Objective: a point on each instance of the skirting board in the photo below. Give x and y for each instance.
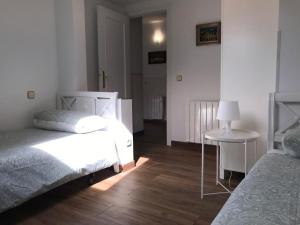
(126, 167)
(191, 146)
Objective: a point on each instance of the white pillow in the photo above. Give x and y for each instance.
(291, 143)
(69, 121)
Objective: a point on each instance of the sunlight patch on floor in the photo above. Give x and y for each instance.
(111, 181)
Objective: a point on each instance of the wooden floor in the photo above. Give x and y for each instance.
(164, 188)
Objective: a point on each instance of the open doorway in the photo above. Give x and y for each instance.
(149, 76)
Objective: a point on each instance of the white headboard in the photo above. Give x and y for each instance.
(98, 103)
(284, 114)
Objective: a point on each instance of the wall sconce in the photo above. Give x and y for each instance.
(158, 37)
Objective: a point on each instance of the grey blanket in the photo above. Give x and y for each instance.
(269, 195)
(35, 161)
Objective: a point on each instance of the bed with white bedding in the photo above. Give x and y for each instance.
(83, 136)
(34, 161)
(270, 193)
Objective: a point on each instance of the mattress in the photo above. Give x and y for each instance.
(269, 195)
(34, 161)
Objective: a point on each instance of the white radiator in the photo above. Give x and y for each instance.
(154, 107)
(201, 117)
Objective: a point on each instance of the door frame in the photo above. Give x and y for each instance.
(145, 9)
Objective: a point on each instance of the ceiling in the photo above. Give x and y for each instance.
(154, 18)
(126, 2)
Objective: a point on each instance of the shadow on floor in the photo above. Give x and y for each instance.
(154, 134)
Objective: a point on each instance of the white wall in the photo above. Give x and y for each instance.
(71, 43)
(92, 39)
(200, 66)
(249, 54)
(28, 60)
(155, 75)
(289, 73)
(136, 66)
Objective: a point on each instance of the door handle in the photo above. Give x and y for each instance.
(103, 79)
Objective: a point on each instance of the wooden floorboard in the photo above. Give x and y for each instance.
(164, 188)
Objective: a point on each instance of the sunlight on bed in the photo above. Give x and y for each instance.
(111, 181)
(80, 150)
(91, 152)
(90, 124)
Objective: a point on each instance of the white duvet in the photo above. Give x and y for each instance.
(34, 161)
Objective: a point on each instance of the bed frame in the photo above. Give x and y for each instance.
(107, 105)
(98, 103)
(283, 115)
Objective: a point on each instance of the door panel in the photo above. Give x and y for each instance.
(113, 30)
(115, 51)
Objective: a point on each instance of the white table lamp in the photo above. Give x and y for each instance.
(228, 111)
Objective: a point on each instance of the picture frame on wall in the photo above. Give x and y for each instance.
(158, 57)
(208, 33)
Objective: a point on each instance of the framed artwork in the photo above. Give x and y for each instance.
(159, 57)
(208, 33)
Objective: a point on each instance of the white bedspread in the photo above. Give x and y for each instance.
(35, 161)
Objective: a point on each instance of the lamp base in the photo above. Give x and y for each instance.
(228, 126)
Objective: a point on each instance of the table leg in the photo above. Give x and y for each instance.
(245, 158)
(255, 151)
(202, 168)
(217, 163)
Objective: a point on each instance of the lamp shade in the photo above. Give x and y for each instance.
(228, 111)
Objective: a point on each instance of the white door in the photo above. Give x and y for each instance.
(113, 49)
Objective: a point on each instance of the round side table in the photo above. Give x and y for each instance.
(224, 136)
